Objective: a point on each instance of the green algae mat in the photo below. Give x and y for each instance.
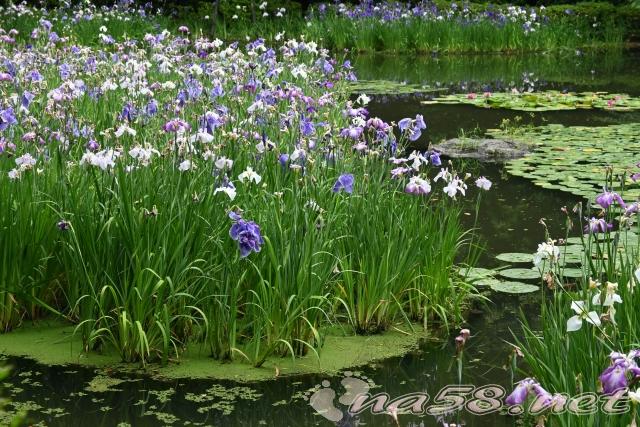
(52, 342)
(544, 101)
(574, 159)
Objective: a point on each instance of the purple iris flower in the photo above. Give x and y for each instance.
(606, 199)
(247, 234)
(404, 124)
(7, 118)
(613, 378)
(34, 76)
(63, 225)
(152, 108)
(434, 157)
(92, 145)
(631, 209)
(520, 393)
(235, 216)
(597, 226)
(26, 98)
(616, 377)
(414, 134)
(175, 125)
(129, 112)
(352, 132)
(283, 159)
(413, 127)
(344, 182)
(418, 186)
(217, 91)
(529, 385)
(306, 127)
(65, 71)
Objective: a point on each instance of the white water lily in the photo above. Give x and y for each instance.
(575, 322)
(249, 175)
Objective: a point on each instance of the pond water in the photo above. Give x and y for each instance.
(508, 221)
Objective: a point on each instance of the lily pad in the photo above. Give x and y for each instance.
(389, 87)
(486, 282)
(515, 257)
(563, 157)
(475, 273)
(574, 273)
(551, 100)
(514, 287)
(520, 273)
(574, 241)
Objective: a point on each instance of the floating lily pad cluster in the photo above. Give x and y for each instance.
(544, 101)
(483, 277)
(388, 87)
(519, 274)
(520, 267)
(574, 158)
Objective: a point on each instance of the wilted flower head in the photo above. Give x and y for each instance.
(461, 339)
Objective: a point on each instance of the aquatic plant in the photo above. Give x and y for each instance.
(580, 163)
(589, 325)
(427, 27)
(173, 189)
(542, 101)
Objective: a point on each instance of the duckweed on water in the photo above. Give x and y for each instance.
(102, 384)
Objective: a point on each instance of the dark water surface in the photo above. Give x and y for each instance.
(508, 221)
